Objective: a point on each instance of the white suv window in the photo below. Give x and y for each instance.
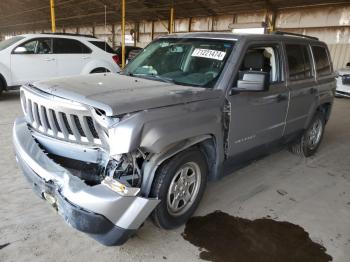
(69, 46)
(38, 46)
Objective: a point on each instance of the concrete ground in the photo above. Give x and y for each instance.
(312, 193)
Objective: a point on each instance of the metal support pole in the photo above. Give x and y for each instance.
(171, 24)
(53, 18)
(113, 36)
(123, 33)
(270, 21)
(152, 30)
(137, 33)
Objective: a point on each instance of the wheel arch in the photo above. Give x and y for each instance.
(324, 106)
(99, 70)
(94, 64)
(205, 143)
(326, 109)
(3, 81)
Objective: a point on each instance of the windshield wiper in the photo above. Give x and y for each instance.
(161, 78)
(152, 77)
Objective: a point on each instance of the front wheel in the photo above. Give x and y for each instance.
(311, 139)
(179, 184)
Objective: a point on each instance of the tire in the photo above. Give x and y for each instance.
(2, 86)
(100, 70)
(310, 140)
(175, 178)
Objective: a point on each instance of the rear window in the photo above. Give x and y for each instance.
(299, 62)
(7, 43)
(323, 66)
(103, 45)
(69, 46)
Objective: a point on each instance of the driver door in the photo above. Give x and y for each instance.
(33, 61)
(258, 117)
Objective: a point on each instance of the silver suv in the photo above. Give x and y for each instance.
(108, 151)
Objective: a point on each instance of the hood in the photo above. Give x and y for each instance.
(119, 94)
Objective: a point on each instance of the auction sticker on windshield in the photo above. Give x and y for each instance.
(208, 53)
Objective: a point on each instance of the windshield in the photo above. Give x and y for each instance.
(6, 43)
(194, 62)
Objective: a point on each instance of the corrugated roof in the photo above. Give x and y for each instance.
(17, 15)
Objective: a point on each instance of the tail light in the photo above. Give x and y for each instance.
(116, 59)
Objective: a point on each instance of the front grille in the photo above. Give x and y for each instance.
(92, 127)
(59, 118)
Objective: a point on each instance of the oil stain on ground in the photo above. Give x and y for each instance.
(222, 237)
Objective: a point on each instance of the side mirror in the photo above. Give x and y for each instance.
(252, 81)
(348, 64)
(22, 50)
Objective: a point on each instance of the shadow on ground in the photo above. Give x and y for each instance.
(9, 96)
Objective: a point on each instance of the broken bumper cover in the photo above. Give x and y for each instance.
(105, 215)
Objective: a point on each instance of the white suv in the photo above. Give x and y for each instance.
(32, 57)
(343, 82)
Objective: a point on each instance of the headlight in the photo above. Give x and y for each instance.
(120, 188)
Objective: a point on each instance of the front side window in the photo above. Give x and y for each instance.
(323, 66)
(299, 62)
(35, 46)
(194, 62)
(261, 59)
(69, 46)
(30, 46)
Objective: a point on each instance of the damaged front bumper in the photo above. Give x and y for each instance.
(105, 215)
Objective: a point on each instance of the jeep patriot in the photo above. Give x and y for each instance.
(110, 150)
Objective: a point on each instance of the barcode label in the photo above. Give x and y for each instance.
(207, 53)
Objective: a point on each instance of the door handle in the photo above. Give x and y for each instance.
(281, 98)
(85, 57)
(49, 59)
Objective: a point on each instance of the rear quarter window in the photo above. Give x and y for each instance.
(103, 46)
(299, 62)
(323, 65)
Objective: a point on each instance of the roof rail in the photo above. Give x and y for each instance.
(293, 34)
(70, 34)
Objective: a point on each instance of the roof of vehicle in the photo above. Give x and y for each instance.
(235, 37)
(59, 35)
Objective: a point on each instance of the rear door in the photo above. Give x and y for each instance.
(258, 118)
(302, 85)
(71, 56)
(36, 63)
